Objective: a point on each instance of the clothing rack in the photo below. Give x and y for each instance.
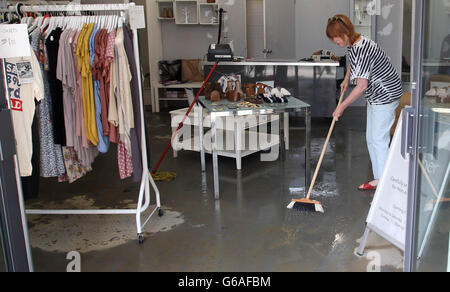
(144, 192)
(71, 8)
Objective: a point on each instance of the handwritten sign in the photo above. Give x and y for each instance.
(137, 17)
(388, 214)
(14, 41)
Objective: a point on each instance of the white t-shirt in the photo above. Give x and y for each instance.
(22, 98)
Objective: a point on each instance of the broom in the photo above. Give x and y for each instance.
(307, 204)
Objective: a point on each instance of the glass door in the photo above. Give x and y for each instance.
(429, 248)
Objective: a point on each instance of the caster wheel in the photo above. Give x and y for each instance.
(141, 238)
(160, 213)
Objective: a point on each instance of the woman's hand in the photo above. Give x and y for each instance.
(338, 113)
(344, 86)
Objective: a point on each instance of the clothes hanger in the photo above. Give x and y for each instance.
(109, 23)
(19, 11)
(46, 22)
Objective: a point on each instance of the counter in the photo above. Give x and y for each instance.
(312, 82)
(274, 62)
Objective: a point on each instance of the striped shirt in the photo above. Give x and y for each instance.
(369, 61)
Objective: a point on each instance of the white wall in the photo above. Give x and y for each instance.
(390, 31)
(311, 22)
(191, 42)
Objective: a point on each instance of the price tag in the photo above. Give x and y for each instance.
(14, 41)
(137, 17)
(25, 72)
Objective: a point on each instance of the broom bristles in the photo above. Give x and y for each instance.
(306, 205)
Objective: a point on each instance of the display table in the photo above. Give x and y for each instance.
(225, 109)
(312, 82)
(189, 142)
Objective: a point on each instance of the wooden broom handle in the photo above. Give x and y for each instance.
(316, 173)
(427, 177)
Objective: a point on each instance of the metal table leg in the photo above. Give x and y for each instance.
(239, 131)
(308, 148)
(215, 156)
(286, 131)
(201, 136)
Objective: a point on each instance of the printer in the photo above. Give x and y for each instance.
(220, 53)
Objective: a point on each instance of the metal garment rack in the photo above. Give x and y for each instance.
(147, 179)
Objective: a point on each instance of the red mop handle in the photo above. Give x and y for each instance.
(184, 119)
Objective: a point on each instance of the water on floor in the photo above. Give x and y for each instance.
(249, 229)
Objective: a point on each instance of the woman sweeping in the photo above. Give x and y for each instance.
(375, 76)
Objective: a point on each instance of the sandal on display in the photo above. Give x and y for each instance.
(266, 97)
(213, 92)
(286, 94)
(280, 94)
(239, 90)
(367, 187)
(261, 88)
(250, 90)
(233, 94)
(432, 92)
(443, 95)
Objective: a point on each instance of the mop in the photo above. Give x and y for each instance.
(307, 204)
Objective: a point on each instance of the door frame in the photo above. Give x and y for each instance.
(417, 85)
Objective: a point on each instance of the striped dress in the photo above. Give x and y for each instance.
(369, 61)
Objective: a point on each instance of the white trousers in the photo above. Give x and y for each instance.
(380, 119)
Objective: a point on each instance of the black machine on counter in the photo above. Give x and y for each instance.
(220, 52)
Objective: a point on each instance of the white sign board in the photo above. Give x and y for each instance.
(137, 17)
(14, 41)
(448, 258)
(388, 214)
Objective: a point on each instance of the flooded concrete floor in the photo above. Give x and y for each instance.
(249, 229)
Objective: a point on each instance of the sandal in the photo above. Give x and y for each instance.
(367, 187)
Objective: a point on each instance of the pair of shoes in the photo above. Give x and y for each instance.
(234, 91)
(261, 88)
(281, 94)
(443, 95)
(267, 97)
(250, 90)
(213, 91)
(367, 187)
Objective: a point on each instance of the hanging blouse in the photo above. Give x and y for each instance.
(78, 156)
(56, 91)
(103, 144)
(125, 106)
(84, 65)
(51, 158)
